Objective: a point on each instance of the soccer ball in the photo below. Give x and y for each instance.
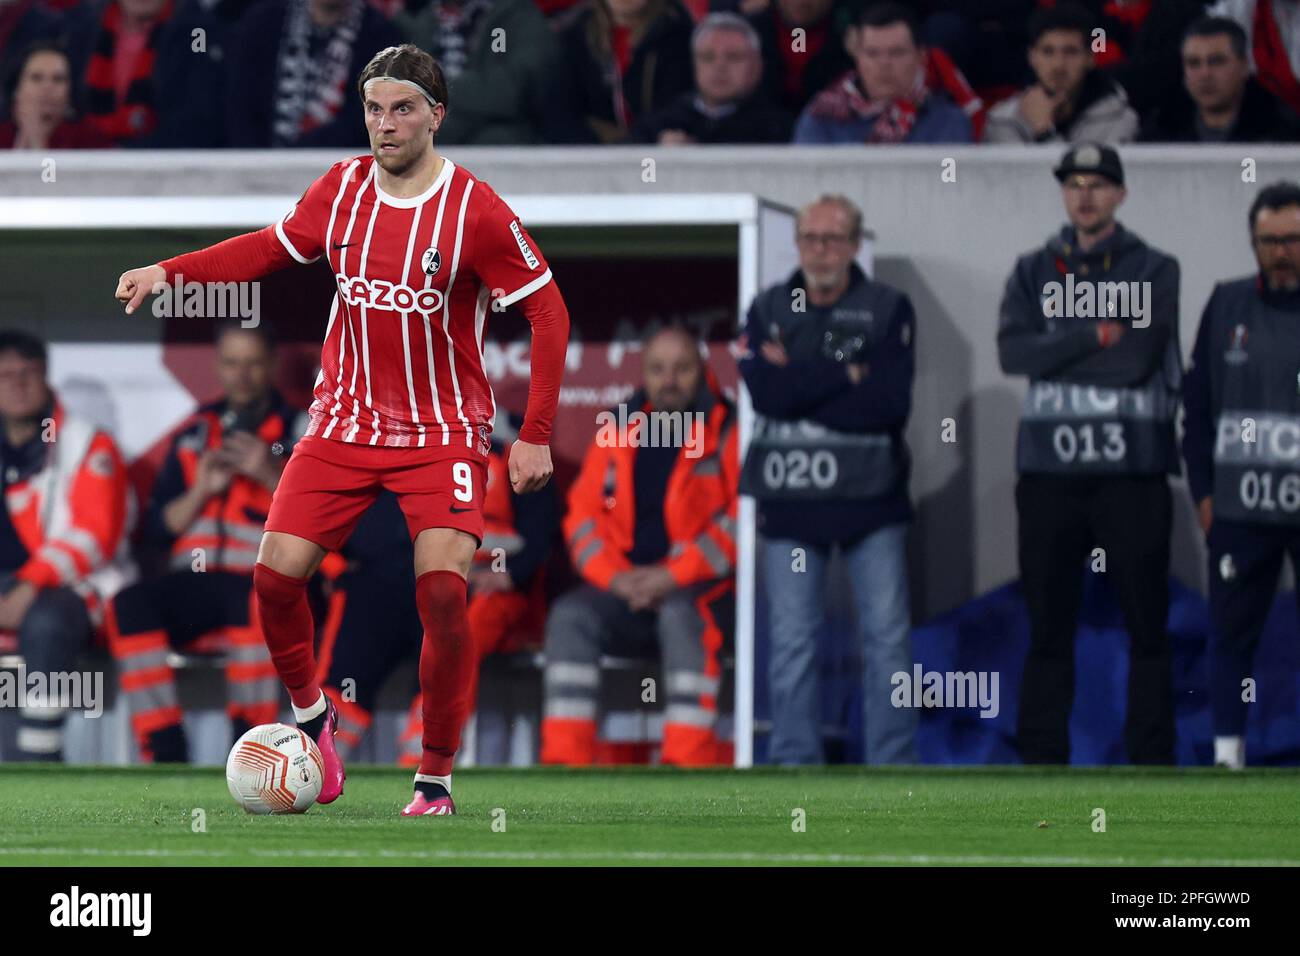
(275, 768)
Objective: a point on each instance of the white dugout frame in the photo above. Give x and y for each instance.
(766, 254)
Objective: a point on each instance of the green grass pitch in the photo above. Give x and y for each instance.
(70, 816)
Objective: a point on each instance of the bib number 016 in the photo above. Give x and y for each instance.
(1263, 491)
(1081, 444)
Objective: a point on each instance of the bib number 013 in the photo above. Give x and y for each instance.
(1081, 443)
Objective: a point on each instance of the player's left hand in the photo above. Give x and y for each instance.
(530, 466)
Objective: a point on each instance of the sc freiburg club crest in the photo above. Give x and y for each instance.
(431, 261)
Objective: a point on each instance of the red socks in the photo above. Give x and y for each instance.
(287, 625)
(448, 656)
(447, 661)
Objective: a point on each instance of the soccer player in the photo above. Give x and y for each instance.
(421, 252)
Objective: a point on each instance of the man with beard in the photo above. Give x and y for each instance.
(1242, 445)
(651, 530)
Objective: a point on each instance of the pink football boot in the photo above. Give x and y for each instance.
(332, 786)
(422, 806)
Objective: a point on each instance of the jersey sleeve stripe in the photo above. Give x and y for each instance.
(284, 240)
(525, 291)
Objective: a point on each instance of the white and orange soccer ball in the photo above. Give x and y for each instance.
(274, 768)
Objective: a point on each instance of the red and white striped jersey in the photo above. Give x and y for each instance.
(402, 362)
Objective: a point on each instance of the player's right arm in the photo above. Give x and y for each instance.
(298, 237)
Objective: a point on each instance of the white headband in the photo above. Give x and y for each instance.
(413, 85)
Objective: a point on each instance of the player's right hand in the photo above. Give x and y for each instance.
(135, 286)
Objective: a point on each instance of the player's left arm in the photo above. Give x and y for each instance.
(508, 262)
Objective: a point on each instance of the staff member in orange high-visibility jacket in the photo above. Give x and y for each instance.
(651, 529)
(63, 529)
(208, 507)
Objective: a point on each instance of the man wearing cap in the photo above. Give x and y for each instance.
(1241, 440)
(1092, 319)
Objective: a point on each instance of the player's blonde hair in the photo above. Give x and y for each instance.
(407, 62)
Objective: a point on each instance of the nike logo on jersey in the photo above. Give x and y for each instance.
(343, 245)
(456, 511)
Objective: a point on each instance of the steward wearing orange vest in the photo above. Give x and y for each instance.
(208, 506)
(651, 528)
(373, 625)
(63, 532)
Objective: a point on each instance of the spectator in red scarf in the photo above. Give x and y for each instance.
(619, 60)
(293, 70)
(39, 105)
(1273, 37)
(891, 95)
(148, 78)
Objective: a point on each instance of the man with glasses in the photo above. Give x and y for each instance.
(828, 358)
(1092, 319)
(1242, 445)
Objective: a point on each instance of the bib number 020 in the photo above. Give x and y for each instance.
(1080, 443)
(797, 468)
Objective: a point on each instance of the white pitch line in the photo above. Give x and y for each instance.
(641, 856)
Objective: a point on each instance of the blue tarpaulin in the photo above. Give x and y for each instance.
(991, 634)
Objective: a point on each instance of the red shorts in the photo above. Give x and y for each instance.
(327, 485)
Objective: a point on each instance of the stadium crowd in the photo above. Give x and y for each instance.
(277, 73)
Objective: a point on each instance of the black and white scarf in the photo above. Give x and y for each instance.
(311, 87)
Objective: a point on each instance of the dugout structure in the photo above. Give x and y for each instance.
(622, 261)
